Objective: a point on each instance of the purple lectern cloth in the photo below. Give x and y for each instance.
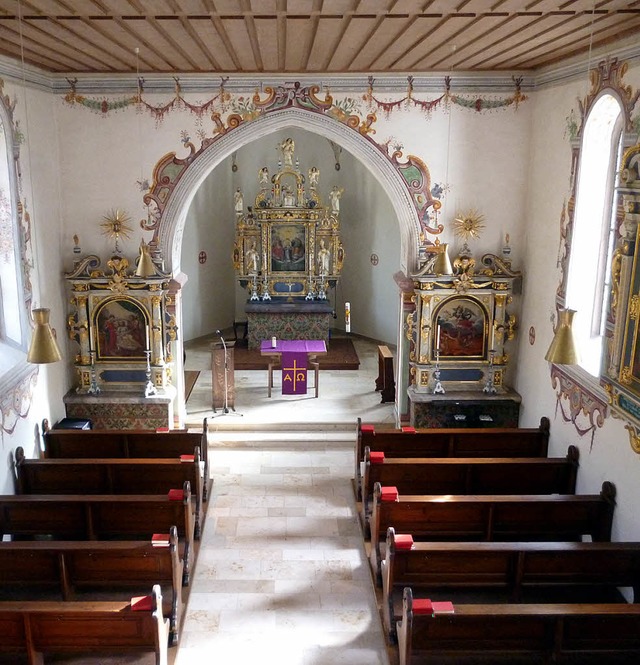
(294, 373)
(297, 345)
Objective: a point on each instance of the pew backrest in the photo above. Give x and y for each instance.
(565, 571)
(111, 476)
(70, 568)
(76, 444)
(547, 631)
(35, 628)
(558, 517)
(100, 517)
(458, 442)
(464, 475)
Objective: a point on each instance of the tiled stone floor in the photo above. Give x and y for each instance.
(282, 575)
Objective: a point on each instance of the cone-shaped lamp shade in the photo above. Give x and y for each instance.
(44, 348)
(563, 350)
(442, 266)
(146, 266)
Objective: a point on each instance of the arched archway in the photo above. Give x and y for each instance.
(407, 185)
(366, 151)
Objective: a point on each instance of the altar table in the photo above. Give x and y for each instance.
(312, 347)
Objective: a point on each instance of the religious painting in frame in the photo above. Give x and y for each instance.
(288, 248)
(120, 330)
(461, 329)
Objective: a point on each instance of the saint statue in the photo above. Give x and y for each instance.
(314, 175)
(323, 259)
(263, 176)
(252, 259)
(335, 195)
(287, 147)
(238, 202)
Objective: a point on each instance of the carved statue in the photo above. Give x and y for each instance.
(252, 259)
(238, 202)
(287, 147)
(323, 259)
(335, 195)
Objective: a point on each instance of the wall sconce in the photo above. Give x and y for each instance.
(563, 349)
(44, 347)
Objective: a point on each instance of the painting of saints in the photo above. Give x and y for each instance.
(121, 330)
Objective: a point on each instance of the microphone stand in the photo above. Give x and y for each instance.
(225, 409)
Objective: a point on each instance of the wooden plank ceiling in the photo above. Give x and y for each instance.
(307, 36)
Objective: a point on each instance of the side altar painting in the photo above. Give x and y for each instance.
(288, 244)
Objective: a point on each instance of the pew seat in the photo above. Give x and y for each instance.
(34, 629)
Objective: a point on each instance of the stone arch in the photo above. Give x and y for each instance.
(171, 225)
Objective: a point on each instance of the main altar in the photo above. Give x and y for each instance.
(288, 253)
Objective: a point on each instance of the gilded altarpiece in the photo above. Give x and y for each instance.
(288, 253)
(458, 336)
(124, 332)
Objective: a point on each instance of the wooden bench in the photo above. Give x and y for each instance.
(71, 570)
(594, 633)
(103, 444)
(35, 628)
(465, 475)
(385, 382)
(492, 517)
(111, 476)
(465, 442)
(510, 572)
(100, 517)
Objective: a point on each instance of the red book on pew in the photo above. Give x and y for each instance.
(162, 429)
(176, 495)
(187, 458)
(442, 607)
(422, 606)
(376, 457)
(160, 540)
(408, 430)
(389, 493)
(141, 603)
(370, 429)
(403, 541)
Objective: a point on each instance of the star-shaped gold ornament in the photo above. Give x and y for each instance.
(468, 225)
(115, 226)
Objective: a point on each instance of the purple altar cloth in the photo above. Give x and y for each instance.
(293, 345)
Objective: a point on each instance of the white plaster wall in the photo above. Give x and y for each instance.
(610, 456)
(39, 160)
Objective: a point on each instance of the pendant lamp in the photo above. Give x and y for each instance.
(44, 347)
(563, 349)
(442, 265)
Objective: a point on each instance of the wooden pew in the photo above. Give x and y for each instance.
(471, 475)
(464, 442)
(35, 628)
(71, 570)
(103, 444)
(100, 517)
(510, 572)
(110, 476)
(594, 633)
(493, 517)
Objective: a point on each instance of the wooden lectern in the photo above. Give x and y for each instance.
(222, 375)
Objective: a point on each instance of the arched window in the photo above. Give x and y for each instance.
(15, 290)
(594, 228)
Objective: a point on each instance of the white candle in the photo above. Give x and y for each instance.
(146, 334)
(91, 347)
(347, 317)
(438, 338)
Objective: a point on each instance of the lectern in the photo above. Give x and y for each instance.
(222, 375)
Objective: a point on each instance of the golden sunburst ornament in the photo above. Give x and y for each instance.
(468, 225)
(115, 225)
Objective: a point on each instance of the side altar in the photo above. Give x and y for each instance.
(288, 253)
